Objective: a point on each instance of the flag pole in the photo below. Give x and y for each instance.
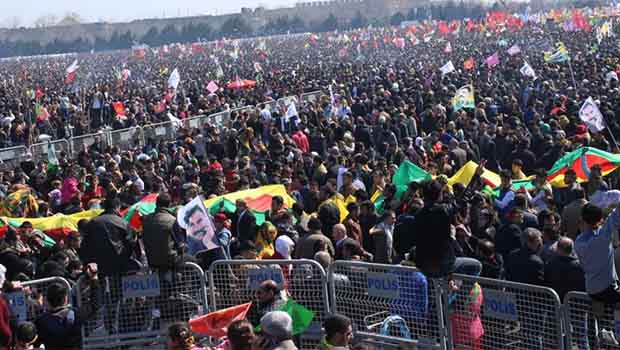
(611, 134)
(572, 75)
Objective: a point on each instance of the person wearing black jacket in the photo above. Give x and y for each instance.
(563, 273)
(434, 250)
(109, 241)
(525, 265)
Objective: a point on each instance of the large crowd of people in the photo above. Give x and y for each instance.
(382, 104)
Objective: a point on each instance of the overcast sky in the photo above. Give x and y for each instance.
(122, 10)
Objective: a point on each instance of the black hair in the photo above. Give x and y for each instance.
(591, 214)
(335, 324)
(56, 295)
(163, 200)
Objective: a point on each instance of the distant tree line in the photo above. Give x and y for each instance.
(238, 27)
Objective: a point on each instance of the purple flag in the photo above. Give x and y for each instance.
(492, 60)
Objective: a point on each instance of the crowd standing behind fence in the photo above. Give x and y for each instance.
(364, 173)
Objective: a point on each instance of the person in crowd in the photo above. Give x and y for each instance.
(594, 248)
(180, 338)
(338, 333)
(25, 336)
(306, 247)
(269, 298)
(60, 326)
(240, 335)
(571, 214)
(109, 241)
(563, 273)
(383, 238)
(161, 244)
(509, 235)
(525, 264)
(277, 332)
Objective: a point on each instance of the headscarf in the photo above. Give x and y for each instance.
(265, 240)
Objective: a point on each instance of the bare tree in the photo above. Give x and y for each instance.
(13, 22)
(70, 18)
(46, 21)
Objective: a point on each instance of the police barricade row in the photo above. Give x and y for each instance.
(80, 143)
(12, 156)
(28, 303)
(234, 282)
(166, 131)
(126, 139)
(310, 97)
(583, 321)
(135, 309)
(236, 112)
(39, 150)
(486, 313)
(220, 119)
(197, 122)
(270, 105)
(389, 303)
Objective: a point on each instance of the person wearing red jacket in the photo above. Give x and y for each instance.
(301, 140)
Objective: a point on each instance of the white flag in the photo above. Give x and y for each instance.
(73, 67)
(514, 49)
(591, 116)
(175, 79)
(528, 71)
(447, 68)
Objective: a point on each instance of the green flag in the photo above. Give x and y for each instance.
(302, 317)
(52, 161)
(407, 173)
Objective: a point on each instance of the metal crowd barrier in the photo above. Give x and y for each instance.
(79, 143)
(128, 138)
(379, 297)
(220, 119)
(583, 321)
(310, 97)
(161, 131)
(233, 282)
(137, 308)
(12, 156)
(28, 303)
(495, 314)
(39, 150)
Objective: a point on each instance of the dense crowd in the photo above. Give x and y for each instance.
(387, 105)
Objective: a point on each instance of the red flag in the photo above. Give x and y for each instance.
(454, 26)
(119, 108)
(399, 42)
(215, 324)
(471, 25)
(197, 48)
(579, 21)
(70, 77)
(443, 27)
(469, 63)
